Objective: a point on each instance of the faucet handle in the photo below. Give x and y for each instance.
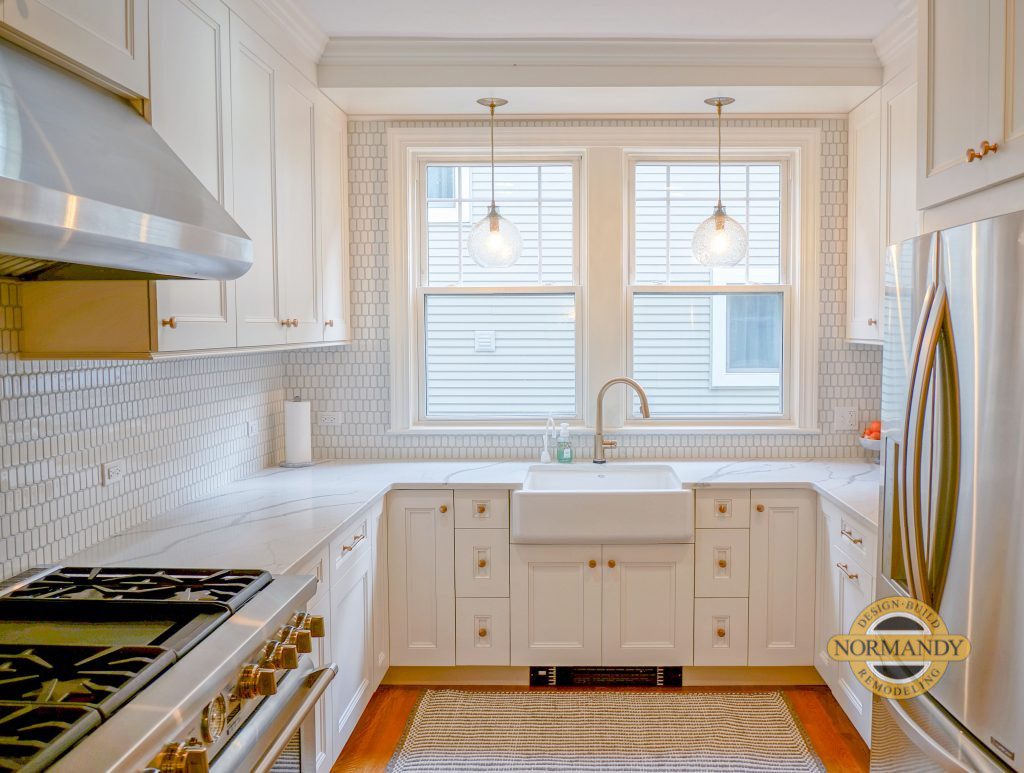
(609, 443)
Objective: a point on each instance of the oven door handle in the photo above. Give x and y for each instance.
(316, 684)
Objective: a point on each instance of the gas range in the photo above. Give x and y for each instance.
(176, 670)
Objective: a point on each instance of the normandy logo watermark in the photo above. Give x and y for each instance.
(898, 647)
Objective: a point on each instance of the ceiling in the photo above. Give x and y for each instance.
(691, 19)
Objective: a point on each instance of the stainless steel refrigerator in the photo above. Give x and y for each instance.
(952, 529)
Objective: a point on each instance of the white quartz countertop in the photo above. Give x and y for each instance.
(279, 518)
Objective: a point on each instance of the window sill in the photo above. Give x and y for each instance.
(579, 429)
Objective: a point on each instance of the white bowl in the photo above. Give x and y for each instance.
(871, 445)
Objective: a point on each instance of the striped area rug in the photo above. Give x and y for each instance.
(459, 730)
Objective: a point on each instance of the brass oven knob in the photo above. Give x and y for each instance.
(722, 508)
(299, 638)
(280, 656)
(307, 622)
(255, 681)
(720, 633)
(182, 758)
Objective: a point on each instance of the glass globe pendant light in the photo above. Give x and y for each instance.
(494, 241)
(719, 240)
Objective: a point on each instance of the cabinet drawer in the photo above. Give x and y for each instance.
(723, 508)
(354, 541)
(319, 567)
(481, 632)
(722, 563)
(481, 563)
(855, 537)
(720, 632)
(484, 509)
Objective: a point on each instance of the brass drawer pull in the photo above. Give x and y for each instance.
(760, 508)
(482, 633)
(611, 563)
(849, 535)
(845, 569)
(722, 508)
(722, 563)
(443, 508)
(482, 563)
(591, 563)
(355, 541)
(986, 148)
(720, 633)
(171, 322)
(872, 321)
(481, 508)
(329, 323)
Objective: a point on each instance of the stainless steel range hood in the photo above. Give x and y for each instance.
(89, 190)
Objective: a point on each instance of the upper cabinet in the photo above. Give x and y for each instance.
(971, 101)
(331, 181)
(104, 40)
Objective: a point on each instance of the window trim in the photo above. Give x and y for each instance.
(603, 182)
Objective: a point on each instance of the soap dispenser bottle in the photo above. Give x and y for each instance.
(563, 450)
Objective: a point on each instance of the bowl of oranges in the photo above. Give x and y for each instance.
(871, 437)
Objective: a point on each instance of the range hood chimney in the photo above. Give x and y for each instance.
(88, 190)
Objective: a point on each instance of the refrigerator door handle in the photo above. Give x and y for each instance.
(970, 756)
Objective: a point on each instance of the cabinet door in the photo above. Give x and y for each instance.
(103, 39)
(828, 604)
(352, 638)
(954, 62)
(856, 591)
(296, 205)
(258, 293)
(190, 82)
(1007, 36)
(864, 251)
(323, 713)
(647, 605)
(722, 563)
(900, 217)
(421, 578)
(332, 214)
(379, 545)
(555, 600)
(782, 543)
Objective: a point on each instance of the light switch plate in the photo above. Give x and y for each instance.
(844, 418)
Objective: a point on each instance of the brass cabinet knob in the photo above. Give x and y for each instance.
(171, 322)
(481, 508)
(611, 563)
(872, 321)
(482, 563)
(285, 323)
(182, 758)
(255, 681)
(720, 633)
(722, 563)
(482, 633)
(722, 508)
(591, 563)
(986, 148)
(760, 508)
(443, 508)
(329, 323)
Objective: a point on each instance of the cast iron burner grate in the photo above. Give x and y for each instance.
(33, 736)
(230, 586)
(100, 677)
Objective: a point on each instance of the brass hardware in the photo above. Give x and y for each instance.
(849, 535)
(591, 563)
(872, 321)
(720, 633)
(722, 563)
(600, 444)
(355, 541)
(171, 322)
(329, 323)
(722, 508)
(312, 623)
(845, 568)
(482, 563)
(760, 508)
(255, 681)
(611, 563)
(482, 633)
(481, 508)
(182, 758)
(280, 656)
(300, 638)
(986, 148)
(285, 323)
(443, 508)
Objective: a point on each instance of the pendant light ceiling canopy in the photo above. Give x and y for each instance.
(494, 241)
(719, 240)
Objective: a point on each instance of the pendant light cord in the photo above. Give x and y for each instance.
(719, 106)
(492, 106)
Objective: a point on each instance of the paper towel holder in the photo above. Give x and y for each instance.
(301, 441)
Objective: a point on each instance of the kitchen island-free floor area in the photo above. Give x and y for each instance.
(380, 729)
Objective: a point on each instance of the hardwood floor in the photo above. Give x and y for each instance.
(380, 728)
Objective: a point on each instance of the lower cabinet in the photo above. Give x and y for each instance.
(720, 632)
(481, 632)
(323, 713)
(609, 605)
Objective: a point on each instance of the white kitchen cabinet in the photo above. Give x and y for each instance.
(864, 249)
(647, 605)
(971, 61)
(900, 218)
(323, 713)
(332, 227)
(481, 563)
(555, 602)
(782, 576)
(722, 563)
(378, 526)
(482, 632)
(190, 92)
(720, 632)
(421, 578)
(105, 40)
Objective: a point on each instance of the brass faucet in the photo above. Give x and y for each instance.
(600, 444)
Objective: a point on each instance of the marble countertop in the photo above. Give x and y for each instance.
(280, 518)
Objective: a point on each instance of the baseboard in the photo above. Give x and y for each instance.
(693, 676)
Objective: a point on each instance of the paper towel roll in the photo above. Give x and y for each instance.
(298, 433)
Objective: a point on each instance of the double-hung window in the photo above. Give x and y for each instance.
(710, 343)
(497, 345)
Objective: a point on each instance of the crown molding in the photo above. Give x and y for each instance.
(289, 17)
(405, 62)
(895, 44)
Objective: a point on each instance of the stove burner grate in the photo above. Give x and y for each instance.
(33, 736)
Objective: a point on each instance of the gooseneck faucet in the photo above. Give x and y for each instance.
(600, 444)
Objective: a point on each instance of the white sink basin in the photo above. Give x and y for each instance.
(584, 504)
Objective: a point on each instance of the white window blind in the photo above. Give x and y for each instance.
(499, 343)
(706, 351)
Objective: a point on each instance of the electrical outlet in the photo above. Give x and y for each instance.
(113, 472)
(844, 419)
(329, 418)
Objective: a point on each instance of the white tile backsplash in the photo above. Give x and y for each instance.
(356, 381)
